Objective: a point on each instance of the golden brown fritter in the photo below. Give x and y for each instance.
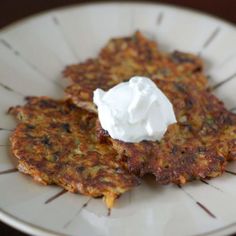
(55, 143)
(123, 58)
(196, 147)
(202, 141)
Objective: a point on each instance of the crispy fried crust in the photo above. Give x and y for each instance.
(123, 58)
(55, 143)
(196, 147)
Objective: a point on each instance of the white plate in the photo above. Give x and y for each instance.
(32, 56)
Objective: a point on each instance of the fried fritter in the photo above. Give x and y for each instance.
(55, 143)
(123, 58)
(198, 146)
(202, 141)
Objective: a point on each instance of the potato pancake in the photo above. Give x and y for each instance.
(123, 58)
(198, 146)
(55, 142)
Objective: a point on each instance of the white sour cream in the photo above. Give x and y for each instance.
(134, 111)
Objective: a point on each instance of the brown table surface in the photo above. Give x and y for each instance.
(12, 10)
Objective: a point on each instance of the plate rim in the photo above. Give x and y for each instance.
(104, 2)
(31, 228)
(26, 227)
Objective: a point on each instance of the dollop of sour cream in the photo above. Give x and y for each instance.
(134, 111)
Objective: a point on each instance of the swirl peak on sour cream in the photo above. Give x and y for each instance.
(134, 111)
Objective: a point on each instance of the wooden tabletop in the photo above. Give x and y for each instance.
(11, 11)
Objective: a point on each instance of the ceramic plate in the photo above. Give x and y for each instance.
(32, 55)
